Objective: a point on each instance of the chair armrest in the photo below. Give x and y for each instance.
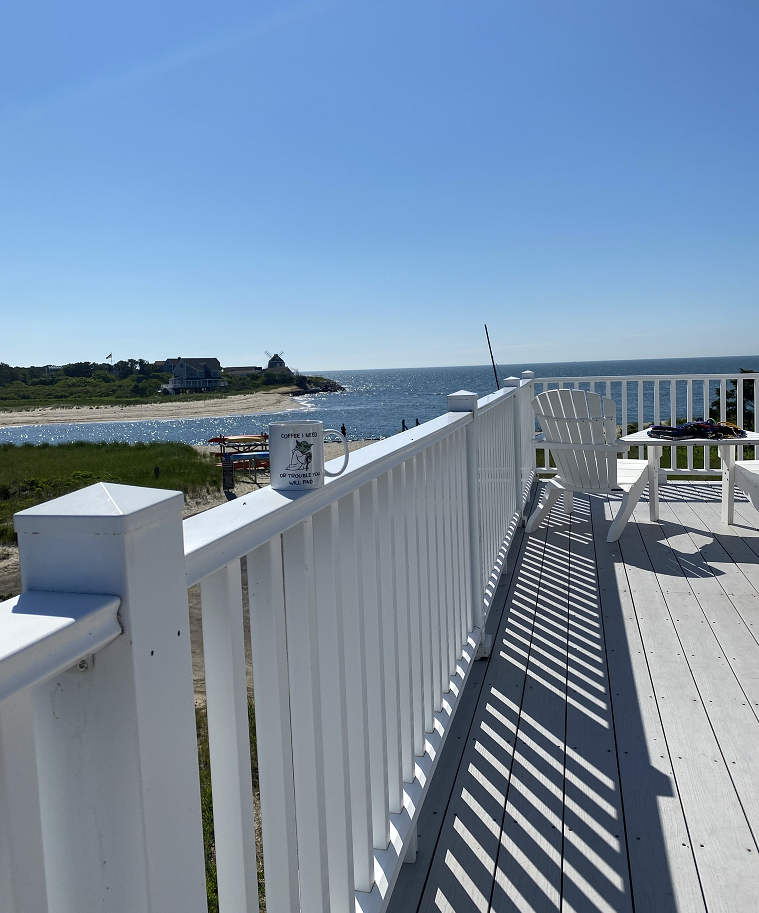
(540, 441)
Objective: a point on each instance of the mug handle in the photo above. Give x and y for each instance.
(345, 447)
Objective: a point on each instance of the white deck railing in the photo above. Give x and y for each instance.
(655, 399)
(367, 600)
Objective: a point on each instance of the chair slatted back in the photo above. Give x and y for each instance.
(580, 417)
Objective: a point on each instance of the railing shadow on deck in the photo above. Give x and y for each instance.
(537, 819)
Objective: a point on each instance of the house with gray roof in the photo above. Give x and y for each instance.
(193, 375)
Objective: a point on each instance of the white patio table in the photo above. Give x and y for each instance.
(727, 456)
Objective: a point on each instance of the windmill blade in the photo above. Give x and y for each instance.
(268, 354)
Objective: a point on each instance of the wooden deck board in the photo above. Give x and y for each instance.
(440, 808)
(595, 844)
(475, 815)
(733, 539)
(662, 865)
(528, 872)
(719, 832)
(612, 759)
(728, 599)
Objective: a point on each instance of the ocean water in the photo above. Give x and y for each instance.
(377, 401)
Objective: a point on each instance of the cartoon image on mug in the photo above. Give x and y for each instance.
(300, 457)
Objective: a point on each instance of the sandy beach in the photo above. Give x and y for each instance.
(172, 408)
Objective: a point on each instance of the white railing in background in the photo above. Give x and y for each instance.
(367, 602)
(646, 400)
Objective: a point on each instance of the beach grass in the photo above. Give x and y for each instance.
(33, 473)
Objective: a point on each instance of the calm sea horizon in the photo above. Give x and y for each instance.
(377, 401)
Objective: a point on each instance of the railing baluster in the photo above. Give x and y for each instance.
(486, 495)
(515, 422)
(657, 403)
(423, 494)
(305, 713)
(229, 739)
(356, 684)
(443, 567)
(739, 419)
(268, 640)
(450, 564)
(673, 420)
(704, 417)
(723, 399)
(390, 616)
(375, 664)
(462, 542)
(403, 596)
(414, 481)
(497, 449)
(334, 706)
(689, 417)
(723, 402)
(526, 420)
(436, 597)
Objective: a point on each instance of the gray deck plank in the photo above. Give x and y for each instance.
(705, 627)
(462, 873)
(729, 601)
(746, 523)
(436, 810)
(721, 547)
(725, 851)
(596, 774)
(734, 539)
(528, 867)
(596, 870)
(662, 865)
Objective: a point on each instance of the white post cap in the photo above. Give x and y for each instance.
(462, 401)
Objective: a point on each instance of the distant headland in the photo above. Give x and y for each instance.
(136, 389)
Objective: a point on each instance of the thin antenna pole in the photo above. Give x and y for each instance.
(495, 372)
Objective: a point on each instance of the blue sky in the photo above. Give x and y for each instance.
(365, 184)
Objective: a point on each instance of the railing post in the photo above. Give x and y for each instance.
(22, 868)
(464, 401)
(527, 428)
(514, 383)
(116, 745)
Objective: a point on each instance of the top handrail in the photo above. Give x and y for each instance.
(45, 633)
(604, 378)
(495, 399)
(218, 536)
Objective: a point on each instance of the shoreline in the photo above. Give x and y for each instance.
(243, 404)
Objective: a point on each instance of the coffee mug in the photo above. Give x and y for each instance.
(296, 455)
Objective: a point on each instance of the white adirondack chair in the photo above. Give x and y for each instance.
(580, 429)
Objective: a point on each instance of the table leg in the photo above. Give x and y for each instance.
(653, 484)
(727, 455)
